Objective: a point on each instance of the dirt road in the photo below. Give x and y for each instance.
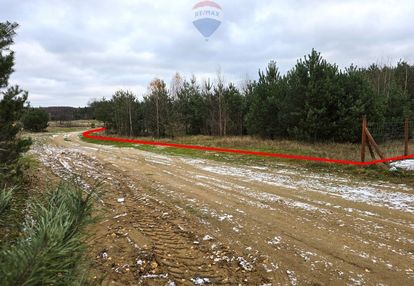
(186, 221)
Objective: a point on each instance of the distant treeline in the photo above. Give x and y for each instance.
(66, 113)
(314, 101)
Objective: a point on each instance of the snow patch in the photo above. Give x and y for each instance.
(120, 215)
(405, 165)
(243, 263)
(200, 281)
(373, 193)
(274, 241)
(292, 277)
(207, 238)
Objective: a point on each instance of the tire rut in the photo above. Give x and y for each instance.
(177, 251)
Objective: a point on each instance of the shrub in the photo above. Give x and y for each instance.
(35, 120)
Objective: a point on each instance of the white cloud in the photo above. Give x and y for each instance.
(71, 51)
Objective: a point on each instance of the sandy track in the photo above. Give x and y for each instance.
(190, 221)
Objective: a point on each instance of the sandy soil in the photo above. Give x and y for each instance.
(185, 221)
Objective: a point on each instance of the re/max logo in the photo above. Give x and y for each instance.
(206, 13)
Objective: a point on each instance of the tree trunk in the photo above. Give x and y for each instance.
(406, 78)
(130, 120)
(158, 115)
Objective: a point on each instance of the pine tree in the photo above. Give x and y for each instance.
(191, 108)
(266, 100)
(233, 110)
(125, 113)
(35, 120)
(313, 94)
(103, 110)
(11, 109)
(157, 107)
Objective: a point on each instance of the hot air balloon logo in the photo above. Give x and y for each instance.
(207, 17)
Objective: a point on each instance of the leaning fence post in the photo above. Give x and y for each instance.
(406, 135)
(364, 138)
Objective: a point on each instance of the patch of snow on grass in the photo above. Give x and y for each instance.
(405, 165)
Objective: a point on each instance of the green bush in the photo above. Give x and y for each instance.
(35, 120)
(51, 249)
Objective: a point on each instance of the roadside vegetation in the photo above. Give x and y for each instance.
(313, 102)
(51, 246)
(42, 239)
(315, 109)
(72, 125)
(35, 120)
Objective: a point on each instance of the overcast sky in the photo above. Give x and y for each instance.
(68, 52)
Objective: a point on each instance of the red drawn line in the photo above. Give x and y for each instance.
(87, 134)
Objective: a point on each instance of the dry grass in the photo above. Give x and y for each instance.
(70, 126)
(341, 151)
(74, 123)
(324, 150)
(396, 148)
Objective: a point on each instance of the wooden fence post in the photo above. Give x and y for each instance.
(371, 141)
(406, 137)
(364, 138)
